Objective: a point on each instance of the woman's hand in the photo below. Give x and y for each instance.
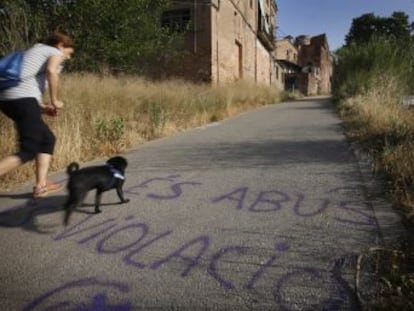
(51, 108)
(58, 104)
(53, 104)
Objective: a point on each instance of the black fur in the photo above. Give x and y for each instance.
(101, 178)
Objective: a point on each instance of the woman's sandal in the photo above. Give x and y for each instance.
(40, 192)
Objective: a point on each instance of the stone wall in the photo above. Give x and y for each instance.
(223, 45)
(314, 57)
(238, 53)
(317, 54)
(286, 50)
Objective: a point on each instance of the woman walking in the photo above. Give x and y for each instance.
(23, 104)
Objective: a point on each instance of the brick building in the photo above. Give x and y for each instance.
(312, 66)
(225, 40)
(316, 58)
(286, 50)
(286, 54)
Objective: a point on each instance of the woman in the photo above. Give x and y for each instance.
(23, 104)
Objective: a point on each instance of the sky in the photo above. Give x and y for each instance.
(332, 17)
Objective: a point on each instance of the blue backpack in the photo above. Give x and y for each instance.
(10, 69)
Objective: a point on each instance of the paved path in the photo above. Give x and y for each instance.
(264, 211)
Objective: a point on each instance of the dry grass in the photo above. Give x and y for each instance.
(380, 123)
(108, 115)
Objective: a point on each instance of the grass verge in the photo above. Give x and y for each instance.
(378, 123)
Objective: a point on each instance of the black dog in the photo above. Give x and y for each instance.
(102, 178)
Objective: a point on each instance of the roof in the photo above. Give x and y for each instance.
(320, 40)
(287, 64)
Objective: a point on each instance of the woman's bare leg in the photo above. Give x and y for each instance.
(9, 163)
(42, 168)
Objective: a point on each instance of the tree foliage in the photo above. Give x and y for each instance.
(114, 36)
(375, 47)
(359, 66)
(396, 27)
(18, 25)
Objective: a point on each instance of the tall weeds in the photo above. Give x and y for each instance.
(107, 115)
(369, 83)
(385, 129)
(359, 67)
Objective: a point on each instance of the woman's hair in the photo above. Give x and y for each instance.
(57, 37)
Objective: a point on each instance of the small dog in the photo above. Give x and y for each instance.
(102, 178)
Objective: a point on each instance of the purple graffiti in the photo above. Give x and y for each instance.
(71, 231)
(241, 250)
(280, 247)
(142, 231)
(100, 304)
(131, 241)
(367, 220)
(99, 301)
(239, 198)
(145, 184)
(190, 254)
(212, 269)
(129, 258)
(275, 203)
(298, 205)
(266, 201)
(191, 262)
(173, 187)
(176, 189)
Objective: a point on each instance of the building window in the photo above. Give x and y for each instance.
(240, 58)
(251, 4)
(263, 19)
(177, 20)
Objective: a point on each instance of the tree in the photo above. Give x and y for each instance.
(19, 25)
(396, 27)
(115, 36)
(119, 36)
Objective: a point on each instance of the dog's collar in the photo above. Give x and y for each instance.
(116, 173)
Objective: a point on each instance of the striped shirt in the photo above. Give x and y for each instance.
(33, 75)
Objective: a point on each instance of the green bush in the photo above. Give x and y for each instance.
(358, 66)
(110, 36)
(111, 130)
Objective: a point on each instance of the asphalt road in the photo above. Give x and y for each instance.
(264, 211)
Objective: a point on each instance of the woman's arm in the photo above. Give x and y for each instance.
(52, 74)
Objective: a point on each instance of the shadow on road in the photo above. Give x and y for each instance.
(25, 214)
(245, 154)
